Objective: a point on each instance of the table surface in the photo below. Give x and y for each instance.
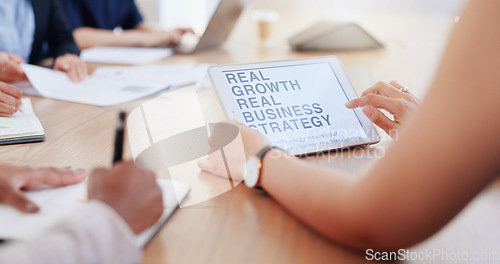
(247, 226)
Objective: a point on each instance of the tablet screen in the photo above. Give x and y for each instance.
(296, 106)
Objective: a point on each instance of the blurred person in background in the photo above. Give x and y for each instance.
(115, 23)
(32, 31)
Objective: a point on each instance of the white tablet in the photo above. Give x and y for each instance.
(297, 104)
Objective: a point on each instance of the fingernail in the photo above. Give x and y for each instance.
(80, 170)
(367, 111)
(31, 208)
(68, 167)
(347, 104)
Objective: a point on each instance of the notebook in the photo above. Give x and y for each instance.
(22, 127)
(57, 203)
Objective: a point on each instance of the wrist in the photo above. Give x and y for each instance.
(267, 163)
(111, 211)
(255, 164)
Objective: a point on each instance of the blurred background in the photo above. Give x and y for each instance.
(414, 32)
(195, 13)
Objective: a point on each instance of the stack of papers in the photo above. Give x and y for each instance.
(125, 55)
(110, 85)
(22, 127)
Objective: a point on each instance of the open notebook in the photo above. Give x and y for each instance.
(22, 127)
(57, 203)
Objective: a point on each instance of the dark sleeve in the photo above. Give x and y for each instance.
(133, 18)
(73, 13)
(60, 37)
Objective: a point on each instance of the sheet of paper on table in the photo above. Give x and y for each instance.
(27, 88)
(125, 55)
(174, 75)
(110, 85)
(22, 127)
(59, 203)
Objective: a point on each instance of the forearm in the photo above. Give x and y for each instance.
(86, 37)
(96, 234)
(143, 26)
(392, 207)
(445, 155)
(322, 198)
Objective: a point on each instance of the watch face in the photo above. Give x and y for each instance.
(252, 172)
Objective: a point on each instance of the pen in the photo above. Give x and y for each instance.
(120, 127)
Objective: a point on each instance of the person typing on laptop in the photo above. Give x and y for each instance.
(122, 202)
(115, 23)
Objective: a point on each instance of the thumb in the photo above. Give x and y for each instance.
(379, 119)
(19, 70)
(204, 164)
(212, 164)
(62, 67)
(17, 199)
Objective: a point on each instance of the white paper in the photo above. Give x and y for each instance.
(125, 55)
(23, 122)
(93, 90)
(27, 88)
(178, 75)
(59, 203)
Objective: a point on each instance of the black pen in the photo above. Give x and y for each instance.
(120, 128)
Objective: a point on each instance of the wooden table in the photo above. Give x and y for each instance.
(247, 226)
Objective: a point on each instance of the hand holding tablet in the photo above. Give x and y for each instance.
(297, 104)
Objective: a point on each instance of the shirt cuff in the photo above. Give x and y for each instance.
(125, 235)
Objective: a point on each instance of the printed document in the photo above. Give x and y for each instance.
(125, 55)
(111, 85)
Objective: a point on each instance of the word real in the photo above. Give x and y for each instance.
(256, 96)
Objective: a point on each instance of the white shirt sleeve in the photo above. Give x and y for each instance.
(95, 234)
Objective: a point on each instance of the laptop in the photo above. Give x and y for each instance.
(217, 31)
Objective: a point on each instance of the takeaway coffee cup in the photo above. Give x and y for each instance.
(265, 19)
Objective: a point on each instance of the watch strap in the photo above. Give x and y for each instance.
(260, 155)
(263, 152)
